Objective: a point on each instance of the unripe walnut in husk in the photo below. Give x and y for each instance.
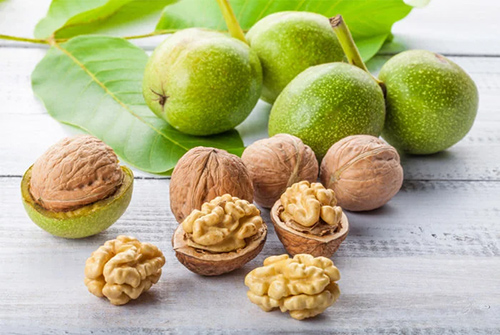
(203, 174)
(364, 171)
(276, 163)
(77, 188)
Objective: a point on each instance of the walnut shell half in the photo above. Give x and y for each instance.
(203, 174)
(276, 163)
(296, 242)
(364, 171)
(227, 233)
(210, 264)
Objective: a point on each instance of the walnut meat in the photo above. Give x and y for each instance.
(308, 204)
(222, 225)
(122, 269)
(75, 172)
(276, 163)
(303, 285)
(364, 171)
(203, 174)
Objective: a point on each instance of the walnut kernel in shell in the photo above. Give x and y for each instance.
(364, 171)
(276, 163)
(226, 234)
(307, 220)
(203, 174)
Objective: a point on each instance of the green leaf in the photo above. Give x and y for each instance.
(370, 21)
(95, 83)
(68, 18)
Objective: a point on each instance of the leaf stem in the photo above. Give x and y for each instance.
(24, 39)
(350, 49)
(231, 21)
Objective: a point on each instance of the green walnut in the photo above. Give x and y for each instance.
(76, 188)
(202, 82)
(287, 43)
(326, 103)
(431, 102)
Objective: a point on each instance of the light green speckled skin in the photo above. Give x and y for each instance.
(287, 43)
(431, 102)
(211, 81)
(326, 103)
(82, 222)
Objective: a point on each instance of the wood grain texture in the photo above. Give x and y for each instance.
(426, 263)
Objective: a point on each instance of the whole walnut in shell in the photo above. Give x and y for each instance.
(77, 188)
(276, 163)
(75, 172)
(364, 171)
(203, 174)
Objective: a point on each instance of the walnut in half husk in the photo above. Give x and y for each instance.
(77, 188)
(224, 235)
(307, 220)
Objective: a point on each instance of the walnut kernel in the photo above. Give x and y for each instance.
(310, 204)
(222, 225)
(122, 269)
(303, 285)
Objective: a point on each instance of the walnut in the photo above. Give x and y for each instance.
(308, 220)
(77, 188)
(122, 269)
(224, 235)
(310, 204)
(75, 172)
(303, 285)
(364, 171)
(276, 163)
(222, 225)
(203, 174)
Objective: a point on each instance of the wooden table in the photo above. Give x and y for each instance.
(426, 263)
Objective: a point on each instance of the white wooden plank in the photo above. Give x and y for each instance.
(458, 27)
(428, 262)
(477, 157)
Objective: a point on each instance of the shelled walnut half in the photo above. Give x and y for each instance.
(122, 269)
(224, 235)
(303, 285)
(308, 220)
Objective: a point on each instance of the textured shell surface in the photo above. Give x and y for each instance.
(75, 172)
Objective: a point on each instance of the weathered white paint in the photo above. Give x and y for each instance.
(426, 263)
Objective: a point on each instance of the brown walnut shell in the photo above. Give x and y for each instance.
(75, 172)
(296, 242)
(203, 174)
(213, 264)
(276, 163)
(364, 171)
